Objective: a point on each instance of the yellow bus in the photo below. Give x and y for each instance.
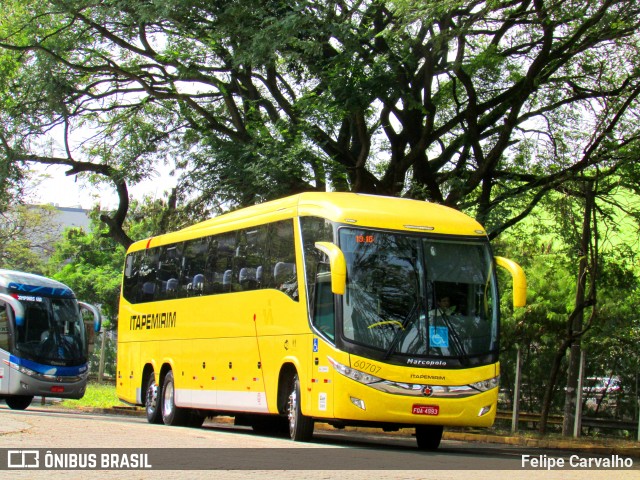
(340, 308)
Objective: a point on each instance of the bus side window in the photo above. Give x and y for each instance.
(148, 275)
(223, 267)
(4, 328)
(314, 230)
(282, 255)
(323, 313)
(169, 270)
(251, 275)
(130, 280)
(194, 266)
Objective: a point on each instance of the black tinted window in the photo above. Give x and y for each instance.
(241, 260)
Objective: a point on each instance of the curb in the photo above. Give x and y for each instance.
(552, 444)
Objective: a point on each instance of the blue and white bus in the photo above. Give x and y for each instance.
(44, 343)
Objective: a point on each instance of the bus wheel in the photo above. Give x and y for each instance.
(300, 426)
(171, 415)
(152, 400)
(19, 402)
(429, 436)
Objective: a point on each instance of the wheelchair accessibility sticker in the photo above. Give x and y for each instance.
(439, 337)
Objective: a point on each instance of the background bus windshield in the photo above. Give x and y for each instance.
(419, 297)
(53, 332)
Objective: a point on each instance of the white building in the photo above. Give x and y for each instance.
(72, 217)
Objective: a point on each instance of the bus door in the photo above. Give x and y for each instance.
(128, 386)
(323, 319)
(4, 348)
(12, 314)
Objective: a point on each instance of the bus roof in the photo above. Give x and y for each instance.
(30, 284)
(355, 209)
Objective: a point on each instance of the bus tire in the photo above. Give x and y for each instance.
(19, 402)
(428, 437)
(171, 414)
(152, 400)
(300, 426)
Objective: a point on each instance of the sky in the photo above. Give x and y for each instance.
(65, 191)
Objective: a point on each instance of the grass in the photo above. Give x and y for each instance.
(98, 395)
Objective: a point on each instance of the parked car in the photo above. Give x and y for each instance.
(600, 385)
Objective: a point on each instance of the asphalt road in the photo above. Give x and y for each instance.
(220, 451)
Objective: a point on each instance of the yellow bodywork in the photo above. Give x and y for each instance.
(226, 351)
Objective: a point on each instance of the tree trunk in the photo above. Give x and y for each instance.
(551, 385)
(577, 325)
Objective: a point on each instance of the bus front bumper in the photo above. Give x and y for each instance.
(363, 403)
(23, 381)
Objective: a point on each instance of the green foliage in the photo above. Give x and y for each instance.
(98, 395)
(26, 236)
(539, 327)
(109, 355)
(91, 265)
(611, 344)
(476, 105)
(547, 247)
(91, 262)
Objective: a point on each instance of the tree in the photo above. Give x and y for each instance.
(578, 247)
(27, 234)
(91, 262)
(541, 326)
(597, 203)
(585, 299)
(92, 266)
(611, 345)
(478, 105)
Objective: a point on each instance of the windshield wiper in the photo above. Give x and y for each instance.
(408, 320)
(455, 339)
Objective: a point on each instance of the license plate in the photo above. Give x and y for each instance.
(425, 410)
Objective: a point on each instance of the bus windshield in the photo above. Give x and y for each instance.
(420, 297)
(53, 332)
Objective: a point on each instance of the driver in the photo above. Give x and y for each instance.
(443, 308)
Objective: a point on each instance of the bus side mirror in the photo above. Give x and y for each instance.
(18, 309)
(338, 266)
(519, 280)
(97, 318)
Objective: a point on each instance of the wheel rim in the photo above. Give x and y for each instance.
(168, 400)
(293, 407)
(152, 397)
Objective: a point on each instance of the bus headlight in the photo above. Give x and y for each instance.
(52, 376)
(24, 370)
(354, 374)
(485, 385)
